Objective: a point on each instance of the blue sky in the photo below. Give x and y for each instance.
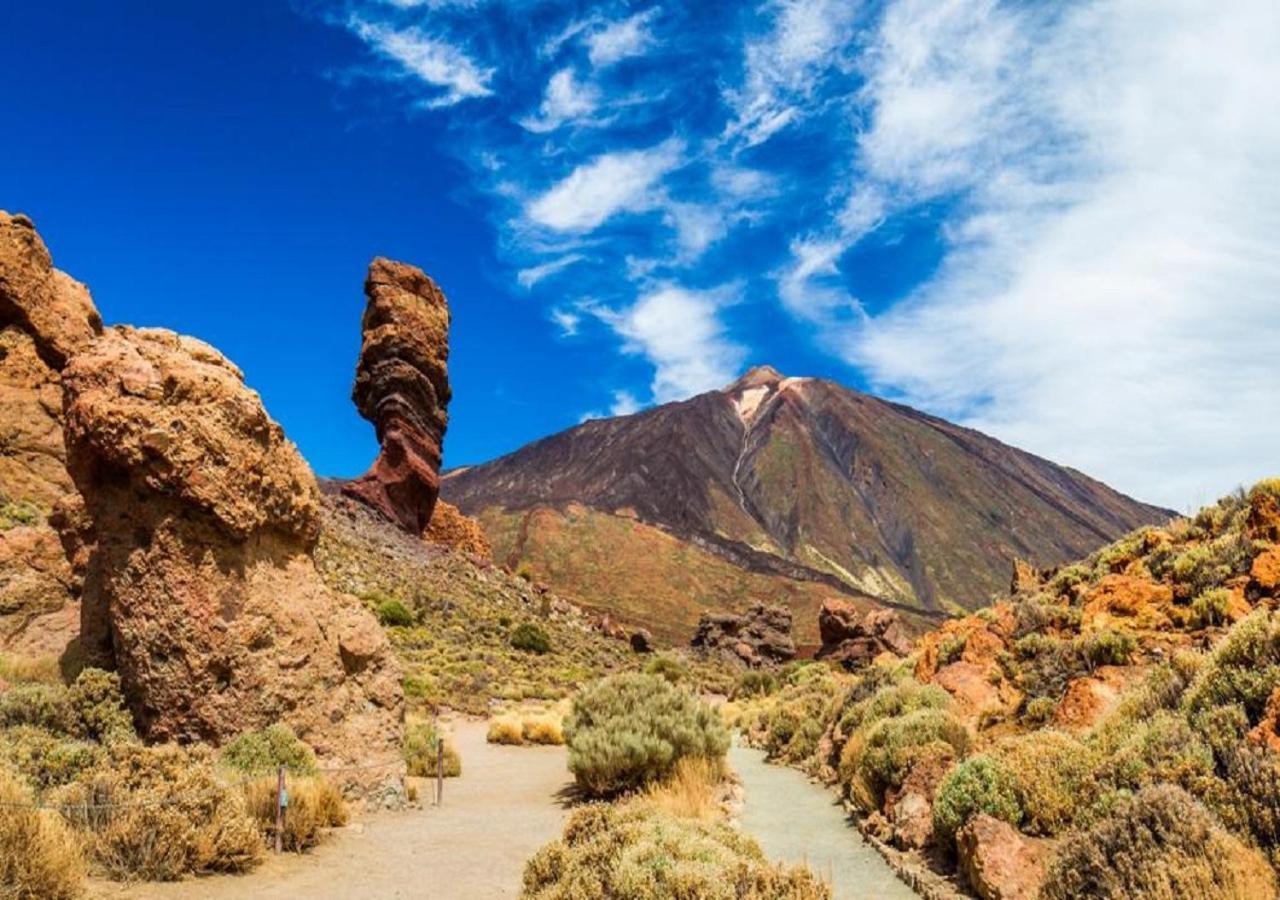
(1054, 222)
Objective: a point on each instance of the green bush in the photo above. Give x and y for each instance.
(668, 667)
(1244, 668)
(1053, 776)
(754, 683)
(1107, 647)
(43, 706)
(421, 752)
(260, 752)
(628, 730)
(393, 614)
(892, 746)
(1211, 607)
(45, 760)
(980, 784)
(636, 852)
(97, 703)
(530, 638)
(1162, 748)
(1039, 710)
(1249, 802)
(1161, 844)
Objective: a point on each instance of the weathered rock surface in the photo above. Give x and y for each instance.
(448, 526)
(201, 589)
(45, 317)
(998, 862)
(402, 387)
(854, 640)
(910, 807)
(760, 637)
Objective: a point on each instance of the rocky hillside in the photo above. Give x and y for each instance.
(783, 489)
(1110, 729)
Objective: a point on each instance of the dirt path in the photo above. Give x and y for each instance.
(503, 808)
(797, 821)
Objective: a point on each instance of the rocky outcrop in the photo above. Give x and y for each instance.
(201, 589)
(760, 637)
(449, 527)
(998, 862)
(402, 387)
(45, 317)
(854, 640)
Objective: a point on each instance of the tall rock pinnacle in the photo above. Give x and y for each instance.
(402, 387)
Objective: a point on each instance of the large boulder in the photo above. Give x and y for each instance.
(201, 589)
(402, 387)
(45, 317)
(854, 640)
(998, 862)
(450, 527)
(760, 637)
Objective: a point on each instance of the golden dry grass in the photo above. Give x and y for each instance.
(693, 791)
(543, 730)
(29, 669)
(39, 856)
(505, 730)
(315, 805)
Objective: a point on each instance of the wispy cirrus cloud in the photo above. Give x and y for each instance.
(603, 187)
(431, 60)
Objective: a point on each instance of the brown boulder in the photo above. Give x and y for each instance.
(1264, 574)
(201, 589)
(910, 807)
(998, 862)
(762, 636)
(402, 387)
(45, 317)
(450, 527)
(854, 640)
(1128, 599)
(1267, 732)
(1089, 698)
(642, 641)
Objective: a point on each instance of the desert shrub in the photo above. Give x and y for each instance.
(951, 648)
(505, 730)
(892, 700)
(46, 760)
(39, 706)
(530, 638)
(1106, 647)
(1249, 799)
(692, 791)
(628, 730)
(1163, 748)
(1067, 578)
(1043, 612)
(637, 852)
(158, 813)
(882, 755)
(97, 705)
(980, 784)
(1244, 668)
(1222, 728)
(26, 669)
(547, 729)
(39, 857)
(422, 752)
(314, 806)
(754, 684)
(393, 614)
(1052, 773)
(1162, 689)
(1211, 607)
(259, 752)
(668, 667)
(1039, 710)
(18, 512)
(1162, 844)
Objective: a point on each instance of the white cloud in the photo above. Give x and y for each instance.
(617, 41)
(624, 403)
(567, 321)
(565, 100)
(783, 66)
(611, 183)
(1109, 297)
(697, 225)
(532, 275)
(429, 59)
(680, 332)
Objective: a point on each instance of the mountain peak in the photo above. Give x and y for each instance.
(757, 376)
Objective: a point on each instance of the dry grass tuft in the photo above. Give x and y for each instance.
(543, 730)
(39, 857)
(315, 805)
(692, 792)
(29, 669)
(505, 730)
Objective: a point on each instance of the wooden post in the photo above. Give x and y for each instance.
(280, 802)
(439, 767)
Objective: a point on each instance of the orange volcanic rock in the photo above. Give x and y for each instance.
(998, 862)
(1132, 600)
(854, 640)
(402, 387)
(1088, 699)
(1265, 572)
(201, 588)
(1267, 732)
(448, 526)
(45, 317)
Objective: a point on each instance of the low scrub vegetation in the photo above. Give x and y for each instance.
(315, 805)
(259, 752)
(40, 859)
(423, 754)
(629, 730)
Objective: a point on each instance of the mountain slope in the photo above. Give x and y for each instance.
(796, 479)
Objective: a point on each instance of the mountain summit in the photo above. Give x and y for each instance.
(783, 488)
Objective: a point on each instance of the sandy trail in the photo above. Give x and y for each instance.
(504, 807)
(797, 821)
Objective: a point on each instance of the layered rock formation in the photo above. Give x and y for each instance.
(201, 589)
(402, 387)
(762, 636)
(854, 640)
(449, 527)
(45, 317)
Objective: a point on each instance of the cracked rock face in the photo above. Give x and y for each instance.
(201, 589)
(45, 317)
(760, 637)
(402, 387)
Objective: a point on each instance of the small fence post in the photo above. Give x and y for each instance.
(439, 767)
(280, 804)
